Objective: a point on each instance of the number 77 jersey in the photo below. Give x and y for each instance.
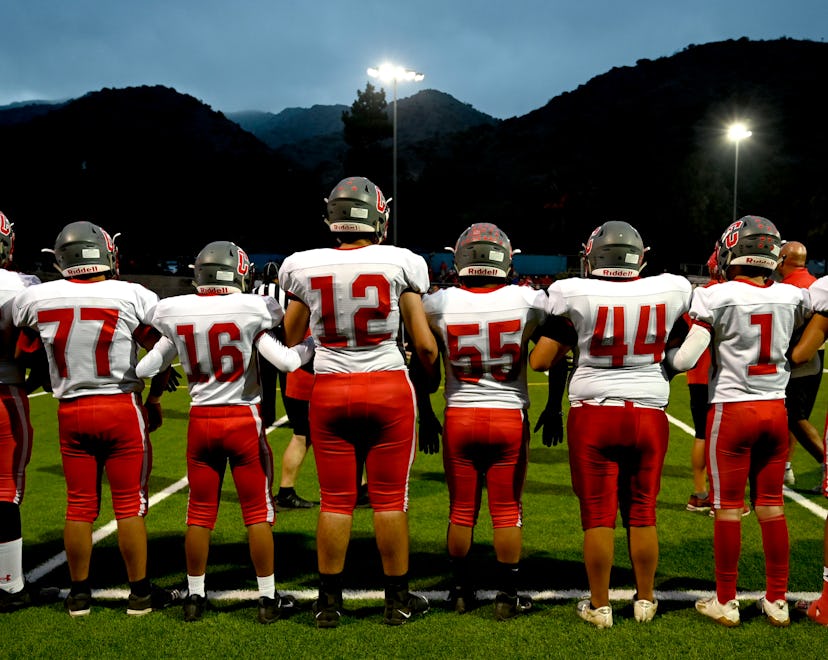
(622, 328)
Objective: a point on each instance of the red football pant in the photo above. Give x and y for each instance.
(15, 442)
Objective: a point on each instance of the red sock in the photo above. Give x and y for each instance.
(727, 544)
(777, 555)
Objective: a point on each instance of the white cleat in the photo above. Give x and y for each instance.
(727, 614)
(600, 617)
(777, 611)
(644, 610)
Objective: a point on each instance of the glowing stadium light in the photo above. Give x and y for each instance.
(736, 133)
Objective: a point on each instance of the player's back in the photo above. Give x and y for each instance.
(214, 336)
(622, 328)
(353, 296)
(11, 284)
(88, 330)
(485, 333)
(751, 329)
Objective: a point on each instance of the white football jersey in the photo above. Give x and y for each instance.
(819, 295)
(484, 334)
(751, 328)
(353, 296)
(11, 283)
(214, 338)
(622, 330)
(87, 329)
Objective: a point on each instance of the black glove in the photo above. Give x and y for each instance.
(429, 434)
(174, 379)
(154, 417)
(552, 422)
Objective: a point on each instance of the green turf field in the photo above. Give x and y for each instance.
(551, 569)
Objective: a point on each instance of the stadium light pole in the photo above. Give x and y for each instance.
(736, 133)
(390, 73)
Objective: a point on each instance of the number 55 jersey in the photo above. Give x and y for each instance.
(484, 333)
(622, 334)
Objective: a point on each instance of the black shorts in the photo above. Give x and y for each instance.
(800, 396)
(698, 408)
(297, 413)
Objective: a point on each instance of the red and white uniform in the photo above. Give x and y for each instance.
(90, 331)
(362, 397)
(618, 391)
(215, 338)
(484, 335)
(819, 301)
(750, 326)
(15, 427)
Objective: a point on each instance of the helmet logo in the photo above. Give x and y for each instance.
(110, 244)
(731, 235)
(380, 200)
(244, 263)
(5, 225)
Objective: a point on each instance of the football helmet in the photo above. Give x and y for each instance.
(222, 267)
(357, 205)
(84, 248)
(614, 250)
(483, 250)
(6, 241)
(749, 241)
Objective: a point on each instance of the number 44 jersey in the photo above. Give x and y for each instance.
(622, 328)
(484, 333)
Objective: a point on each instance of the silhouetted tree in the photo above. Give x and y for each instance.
(366, 130)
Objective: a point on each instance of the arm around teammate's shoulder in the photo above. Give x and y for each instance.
(416, 323)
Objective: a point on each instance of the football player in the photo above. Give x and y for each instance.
(748, 320)
(617, 427)
(218, 337)
(15, 431)
(814, 337)
(483, 328)
(91, 325)
(353, 298)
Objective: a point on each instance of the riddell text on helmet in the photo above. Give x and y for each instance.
(483, 270)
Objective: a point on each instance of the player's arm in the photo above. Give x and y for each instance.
(296, 321)
(685, 356)
(811, 340)
(157, 360)
(280, 356)
(552, 342)
(30, 353)
(429, 427)
(419, 332)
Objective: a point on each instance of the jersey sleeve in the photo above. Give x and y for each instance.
(819, 295)
(416, 273)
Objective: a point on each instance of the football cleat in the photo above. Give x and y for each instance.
(292, 501)
(600, 617)
(462, 600)
(727, 614)
(10, 602)
(644, 610)
(508, 607)
(327, 610)
(696, 503)
(399, 611)
(776, 611)
(79, 604)
(194, 606)
(273, 609)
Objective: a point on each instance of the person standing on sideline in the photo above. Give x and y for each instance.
(803, 386)
(483, 328)
(353, 298)
(296, 409)
(91, 325)
(813, 338)
(15, 431)
(697, 377)
(217, 335)
(617, 427)
(748, 320)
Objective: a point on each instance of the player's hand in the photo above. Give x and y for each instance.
(173, 380)
(154, 417)
(430, 430)
(552, 422)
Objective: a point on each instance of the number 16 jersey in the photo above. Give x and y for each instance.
(622, 330)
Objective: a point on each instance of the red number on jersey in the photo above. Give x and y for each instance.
(763, 366)
(474, 368)
(616, 347)
(65, 319)
(333, 336)
(226, 359)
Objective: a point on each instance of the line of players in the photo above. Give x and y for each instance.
(353, 299)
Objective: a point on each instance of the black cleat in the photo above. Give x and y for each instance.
(273, 609)
(293, 501)
(327, 610)
(398, 612)
(79, 604)
(508, 607)
(194, 606)
(462, 600)
(10, 602)
(157, 599)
